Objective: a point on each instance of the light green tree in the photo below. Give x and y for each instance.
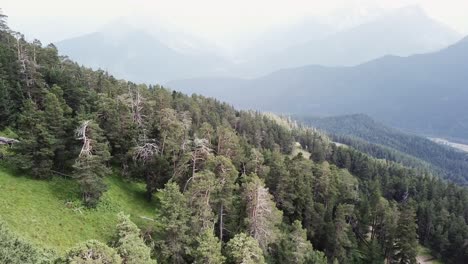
(243, 249)
(129, 244)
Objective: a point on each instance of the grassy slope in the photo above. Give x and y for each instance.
(297, 148)
(38, 210)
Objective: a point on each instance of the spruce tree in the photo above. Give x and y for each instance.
(243, 249)
(174, 222)
(90, 167)
(406, 237)
(208, 249)
(129, 244)
(92, 252)
(35, 151)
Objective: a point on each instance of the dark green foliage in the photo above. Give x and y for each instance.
(174, 221)
(295, 248)
(90, 166)
(208, 249)
(35, 152)
(406, 237)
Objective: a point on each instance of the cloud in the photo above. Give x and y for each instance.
(213, 19)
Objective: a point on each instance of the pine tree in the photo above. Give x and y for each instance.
(263, 218)
(294, 246)
(174, 221)
(90, 166)
(200, 192)
(129, 244)
(224, 198)
(56, 125)
(406, 237)
(35, 151)
(208, 249)
(14, 249)
(92, 252)
(243, 249)
(6, 104)
(373, 253)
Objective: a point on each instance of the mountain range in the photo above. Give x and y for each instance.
(153, 54)
(421, 93)
(401, 32)
(132, 53)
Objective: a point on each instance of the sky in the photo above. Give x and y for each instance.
(54, 20)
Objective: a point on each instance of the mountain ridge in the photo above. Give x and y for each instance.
(448, 162)
(422, 93)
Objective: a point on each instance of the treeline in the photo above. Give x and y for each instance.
(450, 164)
(228, 188)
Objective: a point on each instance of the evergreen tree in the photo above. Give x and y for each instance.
(90, 166)
(406, 237)
(263, 218)
(174, 220)
(208, 249)
(199, 195)
(295, 248)
(56, 124)
(6, 103)
(373, 253)
(129, 244)
(35, 151)
(243, 249)
(16, 250)
(224, 198)
(92, 252)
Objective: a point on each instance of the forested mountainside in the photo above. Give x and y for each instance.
(423, 93)
(451, 164)
(227, 185)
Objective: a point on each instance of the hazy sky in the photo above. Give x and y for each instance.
(52, 20)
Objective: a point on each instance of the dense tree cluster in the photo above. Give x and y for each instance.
(229, 188)
(380, 141)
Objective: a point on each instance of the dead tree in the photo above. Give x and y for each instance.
(27, 67)
(145, 152)
(81, 133)
(7, 141)
(200, 152)
(263, 216)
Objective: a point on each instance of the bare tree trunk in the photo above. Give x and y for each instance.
(221, 223)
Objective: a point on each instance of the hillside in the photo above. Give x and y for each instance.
(30, 206)
(424, 93)
(448, 162)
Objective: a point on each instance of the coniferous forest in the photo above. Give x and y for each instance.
(228, 186)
